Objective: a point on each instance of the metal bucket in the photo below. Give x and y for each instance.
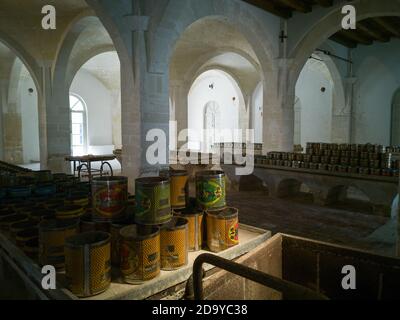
(153, 206)
(140, 253)
(195, 233)
(210, 189)
(52, 236)
(179, 180)
(222, 229)
(174, 244)
(87, 263)
(109, 197)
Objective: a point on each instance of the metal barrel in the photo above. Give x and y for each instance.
(109, 197)
(52, 236)
(174, 246)
(222, 229)
(87, 263)
(179, 180)
(195, 226)
(153, 206)
(210, 189)
(140, 253)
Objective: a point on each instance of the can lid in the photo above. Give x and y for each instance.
(175, 223)
(111, 179)
(225, 213)
(93, 239)
(210, 173)
(151, 181)
(137, 232)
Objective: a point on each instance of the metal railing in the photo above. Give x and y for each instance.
(290, 291)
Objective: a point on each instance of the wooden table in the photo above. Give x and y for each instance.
(83, 164)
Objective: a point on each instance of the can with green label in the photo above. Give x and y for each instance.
(210, 189)
(153, 204)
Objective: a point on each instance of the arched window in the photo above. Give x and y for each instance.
(212, 123)
(78, 125)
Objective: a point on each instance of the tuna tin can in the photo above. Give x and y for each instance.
(174, 244)
(115, 230)
(69, 212)
(52, 236)
(140, 253)
(109, 197)
(222, 229)
(179, 189)
(195, 233)
(153, 206)
(24, 236)
(210, 189)
(87, 263)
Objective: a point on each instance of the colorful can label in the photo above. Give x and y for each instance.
(210, 192)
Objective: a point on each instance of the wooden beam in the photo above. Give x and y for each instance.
(325, 3)
(297, 5)
(266, 5)
(356, 36)
(343, 41)
(387, 26)
(370, 31)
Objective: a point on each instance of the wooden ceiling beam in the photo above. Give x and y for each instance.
(297, 5)
(270, 7)
(387, 26)
(370, 31)
(356, 36)
(343, 41)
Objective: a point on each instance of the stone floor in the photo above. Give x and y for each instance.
(298, 217)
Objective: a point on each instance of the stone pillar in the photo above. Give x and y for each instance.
(179, 96)
(342, 118)
(54, 123)
(278, 117)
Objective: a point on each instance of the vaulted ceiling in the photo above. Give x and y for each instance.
(380, 29)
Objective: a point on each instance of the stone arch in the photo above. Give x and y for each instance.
(288, 187)
(328, 25)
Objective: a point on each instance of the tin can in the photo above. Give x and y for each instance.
(179, 188)
(87, 263)
(69, 212)
(174, 244)
(31, 248)
(210, 189)
(153, 206)
(222, 229)
(7, 221)
(115, 230)
(109, 197)
(195, 233)
(140, 253)
(39, 214)
(78, 200)
(24, 236)
(52, 236)
(20, 226)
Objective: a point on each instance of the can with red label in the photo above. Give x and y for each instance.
(109, 197)
(222, 229)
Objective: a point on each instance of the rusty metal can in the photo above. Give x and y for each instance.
(195, 226)
(109, 197)
(222, 229)
(20, 226)
(88, 263)
(52, 236)
(153, 205)
(210, 189)
(115, 230)
(140, 253)
(179, 188)
(174, 245)
(24, 236)
(7, 221)
(70, 212)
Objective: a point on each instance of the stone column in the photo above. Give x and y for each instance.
(54, 123)
(179, 95)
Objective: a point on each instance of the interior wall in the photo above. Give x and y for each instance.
(316, 106)
(223, 93)
(377, 70)
(99, 102)
(28, 104)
